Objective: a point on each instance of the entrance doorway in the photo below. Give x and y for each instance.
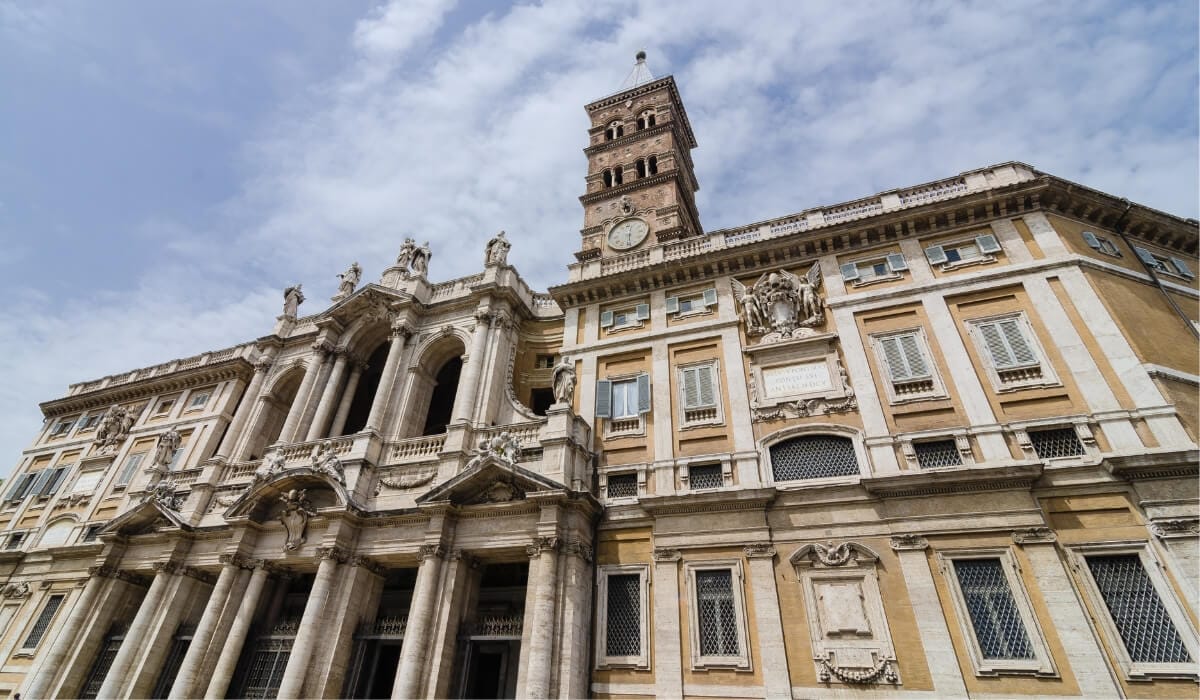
(489, 648)
(492, 668)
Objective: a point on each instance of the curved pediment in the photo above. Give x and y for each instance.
(829, 554)
(489, 480)
(263, 500)
(147, 516)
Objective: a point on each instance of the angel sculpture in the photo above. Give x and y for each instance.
(751, 309)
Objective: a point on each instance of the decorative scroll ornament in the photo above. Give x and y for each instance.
(503, 447)
(326, 461)
(113, 428)
(781, 305)
(296, 511)
(15, 590)
(882, 669)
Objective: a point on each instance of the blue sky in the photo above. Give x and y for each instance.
(167, 168)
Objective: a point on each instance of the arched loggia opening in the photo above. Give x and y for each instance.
(275, 411)
(364, 393)
(441, 401)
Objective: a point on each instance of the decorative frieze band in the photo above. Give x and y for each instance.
(239, 561)
(1175, 527)
(903, 543)
(1035, 535)
(666, 554)
(107, 571)
(759, 550)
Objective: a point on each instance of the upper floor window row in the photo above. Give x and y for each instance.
(642, 167)
(616, 128)
(1167, 265)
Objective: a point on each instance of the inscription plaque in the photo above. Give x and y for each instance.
(796, 379)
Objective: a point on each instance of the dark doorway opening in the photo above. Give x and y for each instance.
(441, 403)
(364, 395)
(540, 400)
(492, 671)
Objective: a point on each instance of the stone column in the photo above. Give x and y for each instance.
(468, 383)
(343, 411)
(227, 662)
(539, 659)
(118, 673)
(326, 405)
(310, 623)
(931, 619)
(250, 401)
(1071, 622)
(575, 663)
(420, 619)
(375, 421)
(43, 680)
(315, 395)
(194, 658)
(767, 619)
(668, 648)
(315, 361)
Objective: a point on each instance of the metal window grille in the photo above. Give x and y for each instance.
(623, 635)
(937, 453)
(43, 622)
(265, 671)
(622, 485)
(813, 457)
(1056, 442)
(1145, 626)
(170, 668)
(998, 626)
(718, 620)
(705, 476)
(100, 667)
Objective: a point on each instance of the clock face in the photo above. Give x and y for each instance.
(627, 234)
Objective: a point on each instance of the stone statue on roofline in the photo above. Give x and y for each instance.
(404, 258)
(496, 251)
(348, 280)
(420, 260)
(292, 299)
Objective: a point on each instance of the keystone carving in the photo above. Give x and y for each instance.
(902, 543)
(1034, 535)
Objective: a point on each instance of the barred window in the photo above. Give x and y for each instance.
(622, 485)
(100, 667)
(813, 457)
(718, 617)
(937, 453)
(1055, 443)
(623, 636)
(705, 476)
(1145, 626)
(170, 668)
(43, 622)
(264, 673)
(994, 616)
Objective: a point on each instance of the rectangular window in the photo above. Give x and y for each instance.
(90, 422)
(164, 407)
(904, 355)
(624, 399)
(622, 632)
(43, 622)
(864, 272)
(995, 614)
(15, 540)
(615, 320)
(1100, 244)
(717, 613)
(544, 362)
(698, 394)
(56, 479)
(21, 486)
(622, 402)
(698, 302)
(622, 485)
(1009, 347)
(1056, 443)
(1177, 267)
(980, 249)
(1145, 625)
(705, 476)
(62, 427)
(132, 462)
(199, 400)
(937, 453)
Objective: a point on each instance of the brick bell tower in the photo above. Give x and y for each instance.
(641, 183)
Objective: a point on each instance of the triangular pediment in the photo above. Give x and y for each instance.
(489, 480)
(147, 516)
(369, 301)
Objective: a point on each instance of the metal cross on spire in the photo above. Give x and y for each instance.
(640, 73)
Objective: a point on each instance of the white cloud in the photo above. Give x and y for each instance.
(450, 132)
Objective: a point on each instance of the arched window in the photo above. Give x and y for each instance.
(640, 165)
(652, 166)
(813, 457)
(615, 130)
(608, 179)
(645, 119)
(618, 175)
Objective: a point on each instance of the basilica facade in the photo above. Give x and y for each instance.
(936, 442)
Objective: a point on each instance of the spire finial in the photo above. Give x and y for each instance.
(640, 73)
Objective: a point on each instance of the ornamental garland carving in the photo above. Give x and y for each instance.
(883, 669)
(409, 480)
(781, 305)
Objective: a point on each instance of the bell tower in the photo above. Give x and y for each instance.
(641, 183)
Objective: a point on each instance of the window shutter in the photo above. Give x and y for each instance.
(18, 485)
(642, 311)
(131, 464)
(691, 387)
(896, 262)
(1146, 256)
(643, 390)
(1183, 268)
(1001, 357)
(1022, 353)
(55, 481)
(895, 359)
(710, 296)
(40, 482)
(849, 272)
(603, 398)
(1091, 240)
(935, 254)
(705, 379)
(606, 319)
(987, 243)
(672, 305)
(912, 354)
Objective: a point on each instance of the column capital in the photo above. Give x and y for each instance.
(336, 553)
(401, 331)
(542, 544)
(1034, 535)
(759, 550)
(462, 555)
(579, 548)
(198, 574)
(429, 551)
(903, 543)
(238, 560)
(264, 364)
(323, 348)
(666, 554)
(166, 567)
(369, 564)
